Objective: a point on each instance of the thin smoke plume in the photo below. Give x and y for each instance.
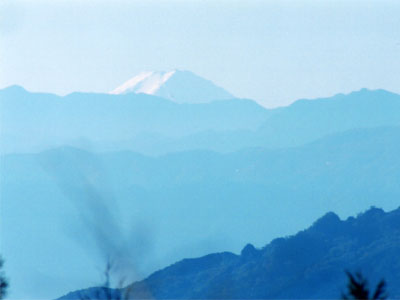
(82, 178)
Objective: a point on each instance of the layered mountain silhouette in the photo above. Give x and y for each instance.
(191, 175)
(308, 265)
(37, 121)
(289, 126)
(251, 195)
(151, 125)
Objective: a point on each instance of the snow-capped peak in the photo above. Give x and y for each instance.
(144, 82)
(175, 85)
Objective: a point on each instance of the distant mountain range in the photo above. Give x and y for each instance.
(251, 195)
(36, 121)
(290, 126)
(308, 265)
(151, 125)
(178, 175)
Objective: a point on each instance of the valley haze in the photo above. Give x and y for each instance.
(198, 149)
(151, 174)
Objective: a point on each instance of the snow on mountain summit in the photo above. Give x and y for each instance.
(178, 86)
(145, 82)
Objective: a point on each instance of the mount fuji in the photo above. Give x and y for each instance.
(176, 85)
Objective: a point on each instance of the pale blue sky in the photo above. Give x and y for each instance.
(272, 51)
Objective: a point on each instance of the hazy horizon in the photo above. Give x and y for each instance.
(262, 104)
(246, 48)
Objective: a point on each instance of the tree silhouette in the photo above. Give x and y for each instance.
(3, 281)
(105, 292)
(357, 289)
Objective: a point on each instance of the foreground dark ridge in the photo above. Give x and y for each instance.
(310, 264)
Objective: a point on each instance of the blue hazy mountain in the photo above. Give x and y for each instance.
(32, 121)
(289, 126)
(151, 125)
(306, 120)
(247, 170)
(285, 127)
(308, 265)
(251, 195)
(176, 85)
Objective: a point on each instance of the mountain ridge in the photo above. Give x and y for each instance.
(34, 120)
(307, 265)
(154, 125)
(264, 189)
